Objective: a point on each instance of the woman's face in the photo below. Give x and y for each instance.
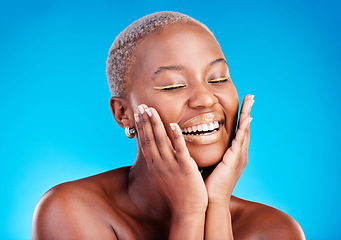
(181, 72)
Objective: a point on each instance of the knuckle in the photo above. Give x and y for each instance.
(235, 149)
(180, 150)
(153, 123)
(159, 141)
(143, 121)
(147, 140)
(178, 154)
(143, 144)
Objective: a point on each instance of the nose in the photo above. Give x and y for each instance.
(202, 97)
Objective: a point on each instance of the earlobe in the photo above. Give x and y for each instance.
(121, 112)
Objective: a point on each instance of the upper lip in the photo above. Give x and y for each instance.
(203, 118)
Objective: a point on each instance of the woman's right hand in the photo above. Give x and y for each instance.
(174, 173)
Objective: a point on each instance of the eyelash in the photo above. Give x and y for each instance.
(170, 87)
(177, 86)
(219, 80)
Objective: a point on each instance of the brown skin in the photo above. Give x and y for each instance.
(163, 195)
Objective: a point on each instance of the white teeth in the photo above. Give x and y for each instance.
(202, 127)
(215, 124)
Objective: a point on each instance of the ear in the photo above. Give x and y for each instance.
(122, 112)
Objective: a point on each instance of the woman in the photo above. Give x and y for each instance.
(172, 90)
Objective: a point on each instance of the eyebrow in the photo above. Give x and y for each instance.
(163, 68)
(217, 61)
(179, 67)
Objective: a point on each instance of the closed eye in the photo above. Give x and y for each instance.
(219, 80)
(170, 87)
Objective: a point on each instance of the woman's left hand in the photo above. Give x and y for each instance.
(221, 182)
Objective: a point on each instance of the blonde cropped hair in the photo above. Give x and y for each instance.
(122, 49)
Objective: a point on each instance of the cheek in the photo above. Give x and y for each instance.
(147, 97)
(169, 111)
(230, 102)
(169, 107)
(233, 110)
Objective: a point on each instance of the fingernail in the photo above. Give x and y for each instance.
(172, 125)
(141, 109)
(149, 112)
(250, 119)
(252, 96)
(137, 118)
(252, 102)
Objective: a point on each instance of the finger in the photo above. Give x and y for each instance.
(146, 136)
(245, 146)
(233, 153)
(179, 144)
(242, 131)
(141, 137)
(162, 140)
(246, 107)
(246, 142)
(245, 114)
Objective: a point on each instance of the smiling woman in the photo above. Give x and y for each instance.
(172, 90)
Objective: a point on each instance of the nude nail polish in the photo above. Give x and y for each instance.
(149, 112)
(172, 125)
(141, 109)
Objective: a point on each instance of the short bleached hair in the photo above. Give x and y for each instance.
(122, 49)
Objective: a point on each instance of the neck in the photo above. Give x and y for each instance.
(143, 193)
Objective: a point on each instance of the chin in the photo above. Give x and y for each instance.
(208, 150)
(207, 156)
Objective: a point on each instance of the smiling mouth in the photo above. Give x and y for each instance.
(204, 128)
(201, 129)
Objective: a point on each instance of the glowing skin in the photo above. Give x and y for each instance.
(182, 73)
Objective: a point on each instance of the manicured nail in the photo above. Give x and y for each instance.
(252, 96)
(149, 112)
(172, 125)
(252, 102)
(250, 119)
(137, 118)
(141, 109)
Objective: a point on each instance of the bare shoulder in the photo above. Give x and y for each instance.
(77, 210)
(258, 221)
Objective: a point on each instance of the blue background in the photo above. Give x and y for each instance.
(56, 124)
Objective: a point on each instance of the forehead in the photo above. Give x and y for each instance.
(185, 44)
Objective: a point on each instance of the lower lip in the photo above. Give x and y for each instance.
(206, 138)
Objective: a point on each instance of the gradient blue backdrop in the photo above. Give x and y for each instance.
(56, 124)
